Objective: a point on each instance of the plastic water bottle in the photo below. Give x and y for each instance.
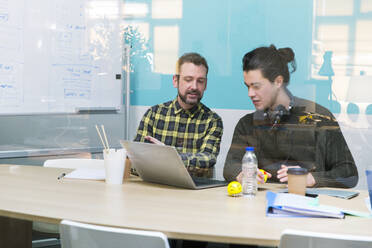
(249, 169)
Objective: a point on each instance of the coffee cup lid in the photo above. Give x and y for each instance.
(297, 171)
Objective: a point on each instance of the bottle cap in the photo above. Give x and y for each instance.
(249, 148)
(297, 171)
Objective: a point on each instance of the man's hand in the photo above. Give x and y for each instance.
(260, 176)
(283, 176)
(154, 141)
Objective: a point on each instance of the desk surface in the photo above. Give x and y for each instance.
(34, 193)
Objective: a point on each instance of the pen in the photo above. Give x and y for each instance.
(61, 176)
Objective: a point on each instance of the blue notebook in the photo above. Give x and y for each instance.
(291, 205)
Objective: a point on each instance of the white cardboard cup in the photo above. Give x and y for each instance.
(114, 165)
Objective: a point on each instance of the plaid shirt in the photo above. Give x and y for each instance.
(196, 133)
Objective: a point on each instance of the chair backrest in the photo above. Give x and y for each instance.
(294, 239)
(75, 234)
(75, 163)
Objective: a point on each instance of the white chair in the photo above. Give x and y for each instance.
(295, 239)
(68, 163)
(80, 235)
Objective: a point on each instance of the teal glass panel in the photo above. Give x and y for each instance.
(331, 41)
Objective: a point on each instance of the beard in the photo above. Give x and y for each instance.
(192, 101)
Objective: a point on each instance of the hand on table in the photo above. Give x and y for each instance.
(260, 176)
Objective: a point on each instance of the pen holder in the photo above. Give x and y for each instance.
(114, 165)
(127, 169)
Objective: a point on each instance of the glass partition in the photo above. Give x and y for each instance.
(331, 40)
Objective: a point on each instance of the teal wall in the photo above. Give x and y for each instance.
(223, 31)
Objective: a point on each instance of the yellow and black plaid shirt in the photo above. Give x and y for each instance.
(196, 133)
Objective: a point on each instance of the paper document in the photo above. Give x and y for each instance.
(92, 174)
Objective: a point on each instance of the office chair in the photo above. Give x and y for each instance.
(52, 229)
(294, 239)
(80, 235)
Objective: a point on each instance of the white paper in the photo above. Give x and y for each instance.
(92, 174)
(283, 199)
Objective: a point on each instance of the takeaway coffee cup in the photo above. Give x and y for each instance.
(297, 180)
(114, 165)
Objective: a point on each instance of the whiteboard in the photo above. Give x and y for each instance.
(59, 56)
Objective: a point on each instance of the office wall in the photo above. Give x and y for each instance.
(330, 39)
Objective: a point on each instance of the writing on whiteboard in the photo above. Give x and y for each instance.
(76, 80)
(4, 9)
(55, 58)
(10, 89)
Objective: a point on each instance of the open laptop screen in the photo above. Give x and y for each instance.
(162, 164)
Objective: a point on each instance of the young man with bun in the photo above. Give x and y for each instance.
(285, 130)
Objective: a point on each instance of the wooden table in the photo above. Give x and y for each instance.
(34, 193)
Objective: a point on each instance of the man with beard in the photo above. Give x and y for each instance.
(185, 122)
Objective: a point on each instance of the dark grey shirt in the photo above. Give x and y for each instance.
(308, 136)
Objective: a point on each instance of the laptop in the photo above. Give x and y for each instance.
(163, 165)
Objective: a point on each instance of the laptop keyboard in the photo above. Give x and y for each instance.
(206, 181)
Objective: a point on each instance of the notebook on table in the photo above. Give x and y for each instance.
(292, 205)
(344, 194)
(163, 165)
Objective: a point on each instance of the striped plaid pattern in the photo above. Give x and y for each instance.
(196, 133)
